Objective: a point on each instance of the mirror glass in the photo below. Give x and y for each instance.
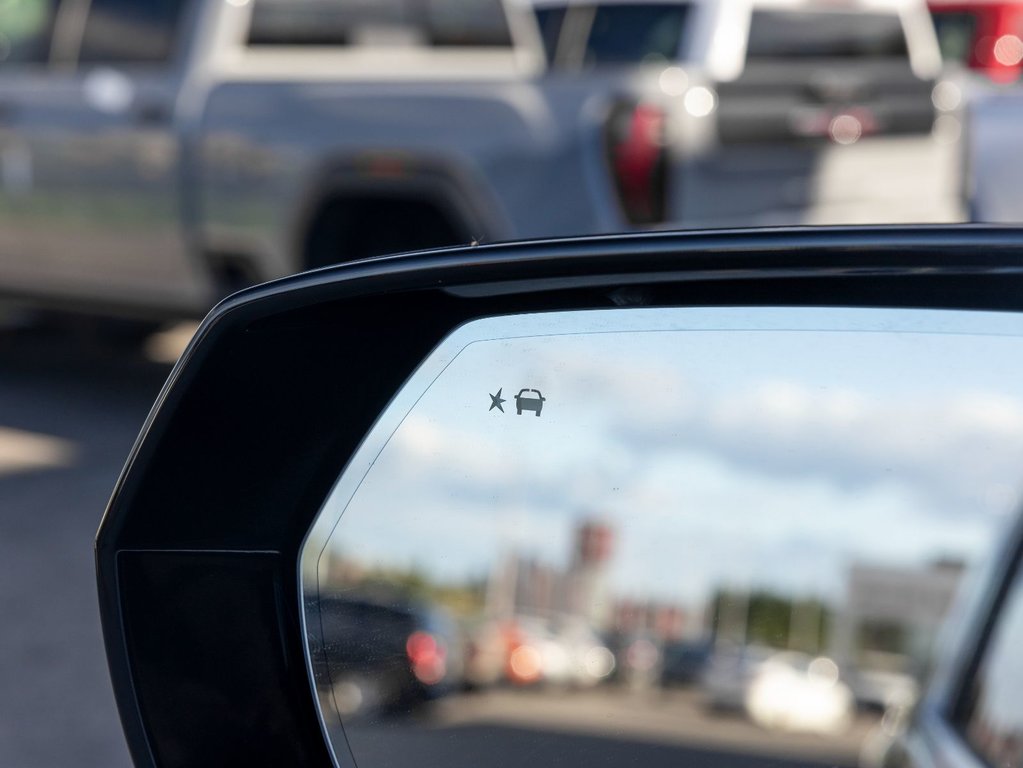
(661, 537)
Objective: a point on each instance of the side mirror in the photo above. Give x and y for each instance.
(644, 500)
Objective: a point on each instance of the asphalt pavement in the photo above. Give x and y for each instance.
(606, 726)
(70, 409)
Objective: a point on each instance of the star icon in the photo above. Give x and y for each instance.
(496, 400)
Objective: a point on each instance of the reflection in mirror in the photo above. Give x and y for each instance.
(697, 537)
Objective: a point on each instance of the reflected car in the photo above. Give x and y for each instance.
(388, 656)
(880, 689)
(536, 655)
(590, 660)
(684, 663)
(486, 654)
(729, 673)
(796, 693)
(638, 658)
(563, 651)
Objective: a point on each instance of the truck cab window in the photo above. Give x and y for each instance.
(825, 35)
(436, 23)
(26, 29)
(131, 31)
(467, 23)
(991, 715)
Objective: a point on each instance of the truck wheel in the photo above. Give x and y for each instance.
(347, 229)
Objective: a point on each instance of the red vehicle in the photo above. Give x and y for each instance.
(983, 35)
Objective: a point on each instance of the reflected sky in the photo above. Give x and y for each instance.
(719, 457)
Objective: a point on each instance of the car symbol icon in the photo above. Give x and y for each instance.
(526, 402)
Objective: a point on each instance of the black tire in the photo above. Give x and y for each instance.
(348, 229)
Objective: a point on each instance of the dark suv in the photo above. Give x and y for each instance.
(388, 657)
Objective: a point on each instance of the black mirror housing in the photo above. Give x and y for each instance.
(197, 552)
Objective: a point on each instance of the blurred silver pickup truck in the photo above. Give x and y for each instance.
(156, 154)
(799, 111)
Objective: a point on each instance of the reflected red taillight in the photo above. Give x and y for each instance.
(427, 657)
(636, 143)
(525, 665)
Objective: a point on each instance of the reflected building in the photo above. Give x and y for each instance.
(522, 584)
(587, 592)
(885, 630)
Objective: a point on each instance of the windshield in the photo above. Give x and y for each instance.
(781, 35)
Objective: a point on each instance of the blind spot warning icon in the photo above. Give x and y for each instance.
(529, 402)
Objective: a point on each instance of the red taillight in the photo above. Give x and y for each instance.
(427, 657)
(638, 158)
(999, 56)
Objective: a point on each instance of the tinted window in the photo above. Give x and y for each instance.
(550, 21)
(26, 27)
(992, 720)
(467, 22)
(625, 34)
(825, 35)
(335, 22)
(955, 35)
(131, 31)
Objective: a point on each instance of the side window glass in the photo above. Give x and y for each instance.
(436, 23)
(130, 31)
(780, 35)
(956, 34)
(550, 21)
(26, 29)
(991, 717)
(630, 34)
